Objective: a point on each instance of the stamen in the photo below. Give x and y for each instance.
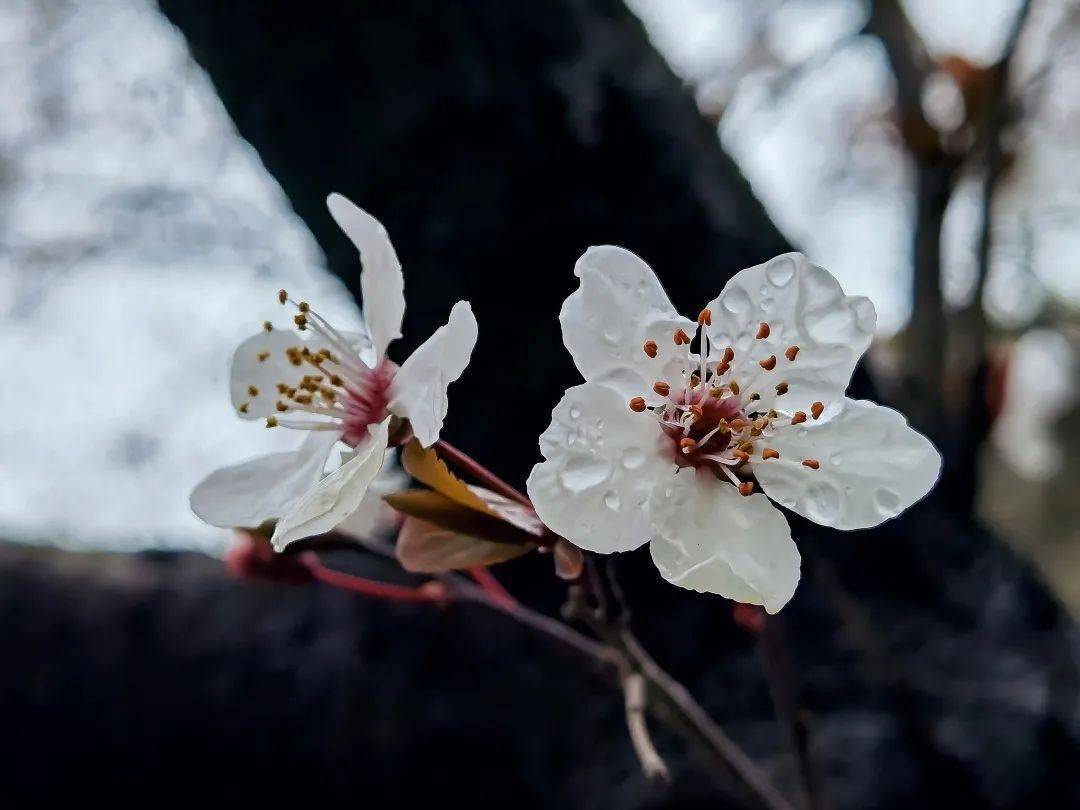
(791, 352)
(754, 397)
(768, 452)
(267, 326)
(704, 318)
(798, 418)
(242, 407)
(697, 411)
(734, 386)
(715, 392)
(651, 348)
(687, 445)
(763, 331)
(282, 296)
(722, 369)
(746, 488)
(681, 338)
(816, 409)
(281, 406)
(729, 355)
(637, 404)
(742, 455)
(263, 356)
(271, 421)
(253, 391)
(300, 321)
(781, 389)
(303, 306)
(812, 463)
(769, 363)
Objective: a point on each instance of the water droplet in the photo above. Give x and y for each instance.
(575, 412)
(780, 272)
(802, 432)
(611, 500)
(612, 335)
(736, 301)
(633, 458)
(600, 424)
(887, 501)
(836, 459)
(822, 502)
(582, 472)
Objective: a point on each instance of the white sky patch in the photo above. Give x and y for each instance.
(140, 241)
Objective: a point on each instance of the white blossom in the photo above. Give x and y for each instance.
(339, 388)
(666, 444)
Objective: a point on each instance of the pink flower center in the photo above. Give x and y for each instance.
(365, 400)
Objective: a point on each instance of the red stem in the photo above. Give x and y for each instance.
(368, 587)
(492, 587)
(469, 465)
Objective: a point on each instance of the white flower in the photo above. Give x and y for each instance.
(666, 445)
(338, 387)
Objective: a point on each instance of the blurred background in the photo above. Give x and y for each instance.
(162, 174)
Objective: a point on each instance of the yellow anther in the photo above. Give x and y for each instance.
(271, 421)
(816, 409)
(762, 331)
(722, 369)
(662, 388)
(742, 455)
(263, 356)
(303, 306)
(812, 463)
(282, 296)
(267, 326)
(781, 389)
(637, 404)
(300, 321)
(687, 445)
(253, 391)
(746, 488)
(697, 411)
(769, 363)
(729, 355)
(768, 452)
(650, 348)
(681, 338)
(754, 397)
(734, 386)
(791, 352)
(715, 392)
(243, 407)
(773, 414)
(704, 317)
(281, 406)
(798, 418)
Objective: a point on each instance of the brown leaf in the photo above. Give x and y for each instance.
(524, 517)
(568, 560)
(425, 466)
(444, 512)
(425, 548)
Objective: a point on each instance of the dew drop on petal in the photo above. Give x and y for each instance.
(887, 501)
(836, 459)
(580, 473)
(575, 412)
(822, 502)
(736, 301)
(633, 458)
(612, 335)
(780, 272)
(611, 500)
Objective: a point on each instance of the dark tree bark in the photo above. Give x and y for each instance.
(496, 140)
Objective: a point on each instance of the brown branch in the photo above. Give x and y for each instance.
(635, 704)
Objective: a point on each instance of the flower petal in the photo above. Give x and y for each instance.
(872, 467)
(374, 516)
(618, 306)
(707, 537)
(263, 488)
(381, 282)
(337, 495)
(259, 364)
(602, 463)
(419, 386)
(804, 306)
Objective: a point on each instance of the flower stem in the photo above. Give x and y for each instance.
(368, 587)
(468, 464)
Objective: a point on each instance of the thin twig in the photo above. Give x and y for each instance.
(652, 764)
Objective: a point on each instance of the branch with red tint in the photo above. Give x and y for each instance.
(371, 587)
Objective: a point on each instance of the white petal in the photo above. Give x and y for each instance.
(603, 461)
(707, 537)
(873, 467)
(605, 322)
(263, 488)
(805, 307)
(381, 282)
(337, 495)
(419, 386)
(374, 516)
(249, 373)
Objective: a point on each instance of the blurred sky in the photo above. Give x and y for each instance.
(141, 239)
